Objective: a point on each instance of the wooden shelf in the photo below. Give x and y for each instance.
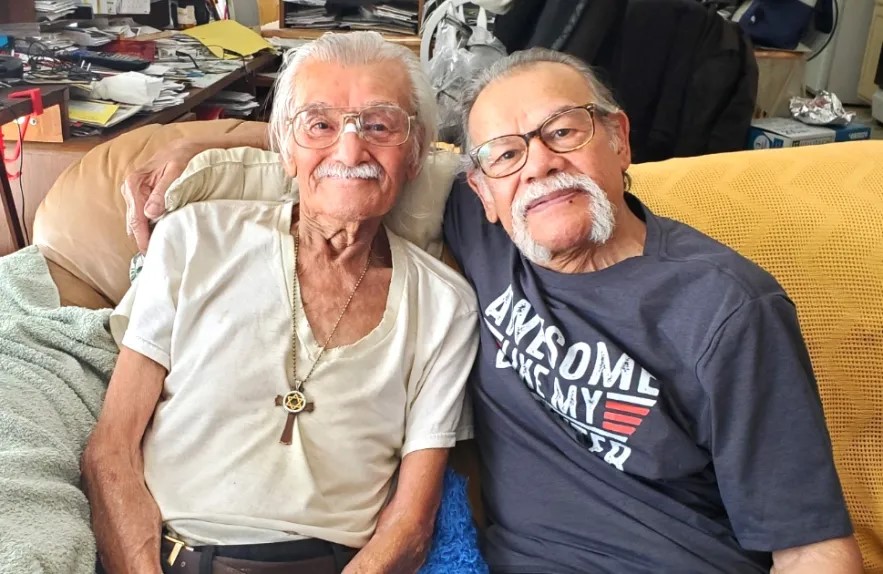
(272, 30)
(279, 30)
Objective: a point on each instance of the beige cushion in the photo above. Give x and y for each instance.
(81, 224)
(249, 173)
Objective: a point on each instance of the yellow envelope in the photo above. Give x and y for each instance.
(228, 35)
(91, 112)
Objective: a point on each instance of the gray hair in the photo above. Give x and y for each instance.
(524, 59)
(354, 49)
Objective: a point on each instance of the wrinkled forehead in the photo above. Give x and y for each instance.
(332, 85)
(542, 90)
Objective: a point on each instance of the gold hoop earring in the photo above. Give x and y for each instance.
(626, 182)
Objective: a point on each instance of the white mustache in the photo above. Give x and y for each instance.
(337, 170)
(601, 209)
(554, 183)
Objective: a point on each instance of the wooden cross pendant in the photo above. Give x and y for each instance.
(293, 402)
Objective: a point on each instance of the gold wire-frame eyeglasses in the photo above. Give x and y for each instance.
(369, 124)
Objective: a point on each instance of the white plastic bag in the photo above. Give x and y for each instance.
(460, 51)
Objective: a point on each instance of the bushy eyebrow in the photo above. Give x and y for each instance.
(324, 106)
(558, 110)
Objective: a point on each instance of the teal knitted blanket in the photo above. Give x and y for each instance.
(54, 366)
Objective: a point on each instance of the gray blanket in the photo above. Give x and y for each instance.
(54, 366)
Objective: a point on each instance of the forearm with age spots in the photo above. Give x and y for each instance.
(126, 520)
(405, 527)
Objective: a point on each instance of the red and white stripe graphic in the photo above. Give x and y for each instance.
(623, 414)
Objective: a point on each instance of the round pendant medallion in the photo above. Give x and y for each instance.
(294, 402)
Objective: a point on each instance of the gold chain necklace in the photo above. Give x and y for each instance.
(294, 400)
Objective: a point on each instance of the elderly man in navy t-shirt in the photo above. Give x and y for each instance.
(644, 401)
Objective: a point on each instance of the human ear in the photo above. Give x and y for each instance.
(478, 182)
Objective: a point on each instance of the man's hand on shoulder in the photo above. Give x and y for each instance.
(835, 556)
(145, 187)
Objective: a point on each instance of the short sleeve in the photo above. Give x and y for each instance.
(155, 301)
(767, 434)
(439, 414)
(461, 201)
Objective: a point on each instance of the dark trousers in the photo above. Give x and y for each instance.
(310, 556)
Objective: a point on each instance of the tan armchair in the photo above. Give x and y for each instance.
(812, 216)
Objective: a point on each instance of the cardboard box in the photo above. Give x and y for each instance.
(785, 132)
(780, 76)
(852, 132)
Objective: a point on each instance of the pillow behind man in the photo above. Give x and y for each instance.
(252, 174)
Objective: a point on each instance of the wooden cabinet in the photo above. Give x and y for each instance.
(866, 85)
(17, 11)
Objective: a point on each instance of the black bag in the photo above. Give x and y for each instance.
(776, 23)
(686, 77)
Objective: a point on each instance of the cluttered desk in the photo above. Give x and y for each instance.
(123, 64)
(104, 77)
(119, 72)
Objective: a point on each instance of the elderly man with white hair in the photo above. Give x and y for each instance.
(644, 401)
(281, 403)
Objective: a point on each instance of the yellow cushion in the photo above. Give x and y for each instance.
(813, 217)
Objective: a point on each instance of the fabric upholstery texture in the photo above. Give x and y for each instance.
(81, 224)
(813, 217)
(251, 173)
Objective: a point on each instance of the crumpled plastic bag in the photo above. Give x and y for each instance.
(823, 110)
(128, 88)
(460, 50)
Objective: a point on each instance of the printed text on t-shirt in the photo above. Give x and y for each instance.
(600, 398)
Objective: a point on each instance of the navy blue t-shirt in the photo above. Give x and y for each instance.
(659, 415)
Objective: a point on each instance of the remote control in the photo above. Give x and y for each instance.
(111, 60)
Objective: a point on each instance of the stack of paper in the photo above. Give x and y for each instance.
(100, 114)
(397, 17)
(234, 104)
(307, 15)
(383, 18)
(88, 37)
(172, 94)
(117, 6)
(53, 42)
(53, 10)
(20, 30)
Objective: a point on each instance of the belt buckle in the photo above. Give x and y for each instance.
(176, 549)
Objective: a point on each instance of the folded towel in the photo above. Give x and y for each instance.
(54, 365)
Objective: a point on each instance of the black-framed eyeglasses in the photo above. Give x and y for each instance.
(562, 132)
(382, 125)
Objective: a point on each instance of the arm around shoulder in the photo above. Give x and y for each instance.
(145, 187)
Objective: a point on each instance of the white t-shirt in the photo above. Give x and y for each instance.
(213, 307)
